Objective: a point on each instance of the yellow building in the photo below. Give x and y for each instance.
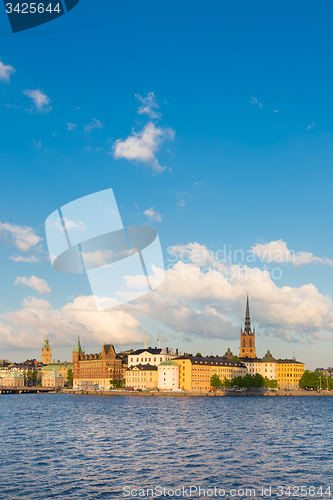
(46, 356)
(195, 371)
(141, 377)
(289, 372)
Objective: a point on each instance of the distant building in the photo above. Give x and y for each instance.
(53, 379)
(141, 377)
(61, 368)
(247, 337)
(195, 371)
(99, 368)
(12, 379)
(168, 375)
(152, 356)
(46, 356)
(289, 372)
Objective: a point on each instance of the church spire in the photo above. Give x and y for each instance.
(247, 328)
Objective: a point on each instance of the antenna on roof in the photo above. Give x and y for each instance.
(145, 339)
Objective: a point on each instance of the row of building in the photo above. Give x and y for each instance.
(164, 369)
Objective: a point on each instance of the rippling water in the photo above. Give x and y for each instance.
(67, 446)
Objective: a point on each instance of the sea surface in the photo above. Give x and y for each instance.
(63, 446)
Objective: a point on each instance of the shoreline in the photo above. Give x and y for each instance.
(296, 393)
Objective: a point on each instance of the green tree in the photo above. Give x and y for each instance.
(215, 381)
(226, 382)
(34, 377)
(199, 354)
(235, 358)
(117, 384)
(309, 380)
(69, 377)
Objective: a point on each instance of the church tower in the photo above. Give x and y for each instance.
(46, 353)
(247, 337)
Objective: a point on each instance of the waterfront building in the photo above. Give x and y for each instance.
(99, 368)
(195, 371)
(289, 372)
(266, 366)
(59, 367)
(247, 336)
(46, 356)
(152, 356)
(53, 379)
(168, 375)
(141, 377)
(12, 379)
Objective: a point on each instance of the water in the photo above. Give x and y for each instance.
(64, 446)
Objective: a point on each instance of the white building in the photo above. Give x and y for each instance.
(53, 379)
(168, 375)
(266, 366)
(151, 356)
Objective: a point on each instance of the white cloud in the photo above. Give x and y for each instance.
(22, 237)
(71, 126)
(200, 183)
(255, 102)
(39, 99)
(20, 258)
(182, 197)
(33, 282)
(6, 71)
(141, 146)
(309, 127)
(153, 215)
(275, 111)
(69, 224)
(36, 319)
(94, 124)
(277, 251)
(98, 258)
(149, 104)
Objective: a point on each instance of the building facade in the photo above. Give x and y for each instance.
(289, 372)
(168, 375)
(266, 366)
(247, 337)
(59, 367)
(46, 356)
(152, 356)
(53, 379)
(12, 379)
(142, 377)
(99, 368)
(195, 371)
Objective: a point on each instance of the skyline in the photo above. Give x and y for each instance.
(214, 129)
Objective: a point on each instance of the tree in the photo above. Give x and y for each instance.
(226, 382)
(35, 377)
(235, 358)
(69, 377)
(117, 384)
(309, 380)
(215, 381)
(199, 354)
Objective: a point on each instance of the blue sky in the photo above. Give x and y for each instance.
(244, 149)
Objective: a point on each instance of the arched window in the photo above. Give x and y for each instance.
(250, 342)
(243, 342)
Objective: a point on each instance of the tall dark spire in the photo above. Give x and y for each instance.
(247, 328)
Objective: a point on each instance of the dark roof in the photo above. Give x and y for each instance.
(211, 360)
(107, 348)
(150, 350)
(289, 361)
(143, 368)
(248, 360)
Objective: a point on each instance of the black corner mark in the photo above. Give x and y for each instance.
(25, 15)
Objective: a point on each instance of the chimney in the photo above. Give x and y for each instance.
(177, 352)
(167, 350)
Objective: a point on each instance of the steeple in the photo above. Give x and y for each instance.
(247, 328)
(78, 346)
(247, 337)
